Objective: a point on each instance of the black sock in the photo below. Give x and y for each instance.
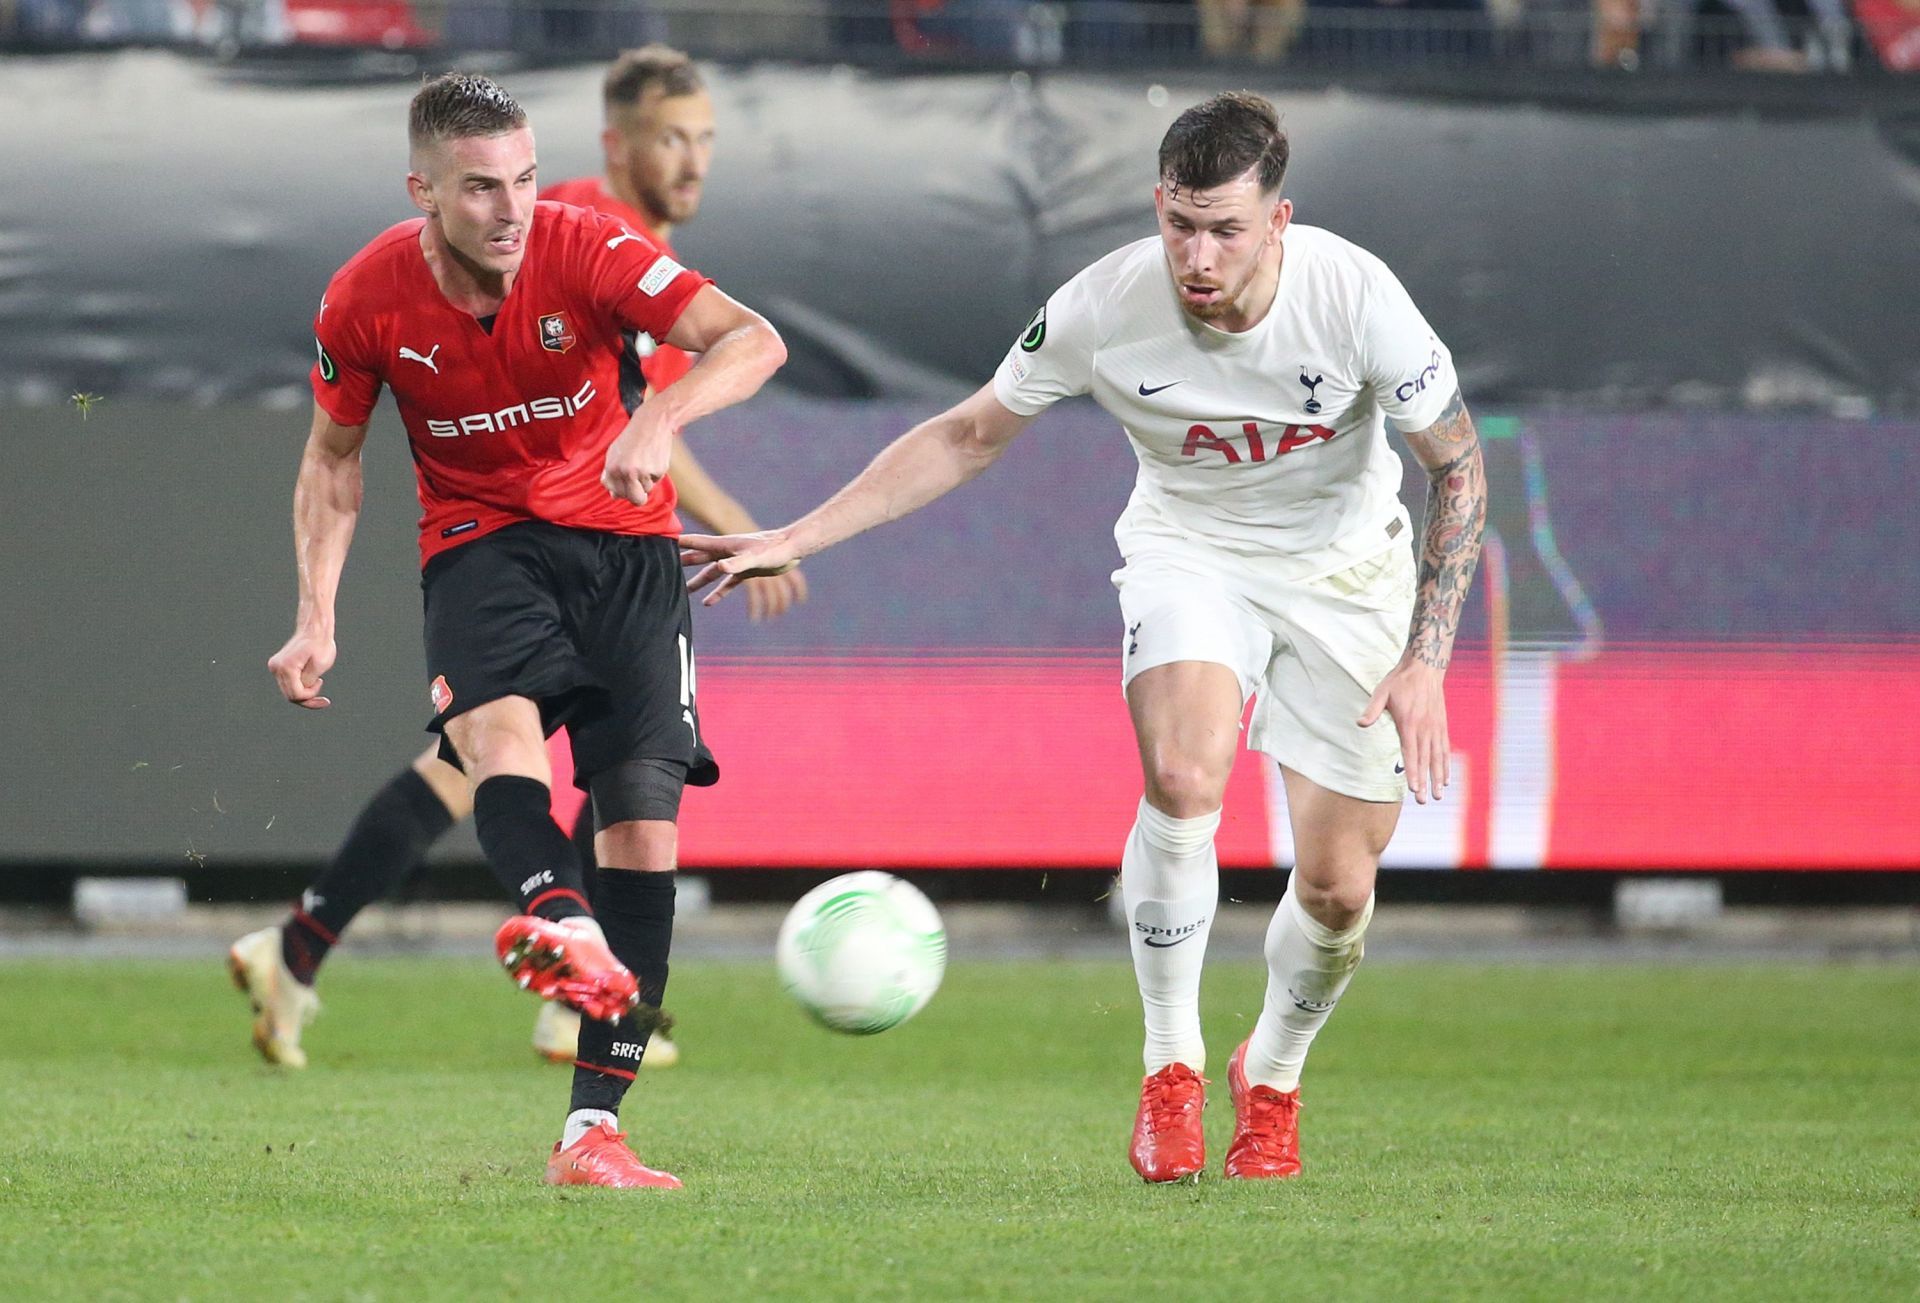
(635, 910)
(525, 848)
(304, 945)
(395, 829)
(583, 849)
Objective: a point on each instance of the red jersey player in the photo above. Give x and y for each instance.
(504, 327)
(658, 141)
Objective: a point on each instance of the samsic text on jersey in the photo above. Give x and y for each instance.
(510, 423)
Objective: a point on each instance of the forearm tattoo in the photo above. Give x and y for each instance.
(1450, 542)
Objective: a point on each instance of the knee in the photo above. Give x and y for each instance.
(646, 845)
(1184, 787)
(493, 744)
(1336, 902)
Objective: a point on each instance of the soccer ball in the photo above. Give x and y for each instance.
(862, 952)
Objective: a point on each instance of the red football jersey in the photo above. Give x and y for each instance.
(666, 363)
(512, 422)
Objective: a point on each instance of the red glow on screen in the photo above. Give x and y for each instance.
(1636, 758)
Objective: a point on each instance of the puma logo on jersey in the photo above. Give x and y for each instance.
(539, 409)
(1292, 438)
(622, 238)
(408, 355)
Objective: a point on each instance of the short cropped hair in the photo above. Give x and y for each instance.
(1215, 141)
(456, 105)
(636, 72)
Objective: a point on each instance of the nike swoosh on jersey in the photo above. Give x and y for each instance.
(1148, 393)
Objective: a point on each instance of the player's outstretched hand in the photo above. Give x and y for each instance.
(1413, 696)
(727, 561)
(298, 667)
(772, 596)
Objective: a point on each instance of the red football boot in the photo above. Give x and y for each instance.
(1266, 1126)
(1168, 1142)
(601, 1157)
(567, 961)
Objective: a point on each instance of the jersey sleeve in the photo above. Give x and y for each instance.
(345, 377)
(633, 280)
(1053, 358)
(1410, 370)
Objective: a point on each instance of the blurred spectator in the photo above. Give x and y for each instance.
(1263, 28)
(1616, 33)
(1775, 35)
(1893, 28)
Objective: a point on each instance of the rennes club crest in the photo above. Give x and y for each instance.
(555, 335)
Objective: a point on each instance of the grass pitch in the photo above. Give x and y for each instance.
(1511, 1133)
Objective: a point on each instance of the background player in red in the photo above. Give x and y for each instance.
(658, 140)
(504, 328)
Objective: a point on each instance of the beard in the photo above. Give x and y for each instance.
(1213, 311)
(660, 200)
(1224, 306)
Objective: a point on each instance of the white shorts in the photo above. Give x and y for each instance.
(1312, 651)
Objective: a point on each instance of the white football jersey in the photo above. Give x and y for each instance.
(1270, 442)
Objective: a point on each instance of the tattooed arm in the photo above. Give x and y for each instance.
(1450, 543)
(1449, 551)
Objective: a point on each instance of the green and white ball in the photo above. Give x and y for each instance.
(862, 952)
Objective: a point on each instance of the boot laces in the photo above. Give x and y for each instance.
(1171, 1097)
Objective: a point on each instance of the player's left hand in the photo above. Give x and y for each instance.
(771, 596)
(637, 462)
(1412, 694)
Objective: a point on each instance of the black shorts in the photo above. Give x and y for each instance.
(595, 628)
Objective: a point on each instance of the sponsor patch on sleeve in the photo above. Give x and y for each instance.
(1036, 332)
(328, 371)
(659, 276)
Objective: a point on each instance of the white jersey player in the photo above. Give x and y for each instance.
(1254, 364)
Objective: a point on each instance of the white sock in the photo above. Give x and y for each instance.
(1170, 884)
(583, 1120)
(586, 924)
(1308, 966)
